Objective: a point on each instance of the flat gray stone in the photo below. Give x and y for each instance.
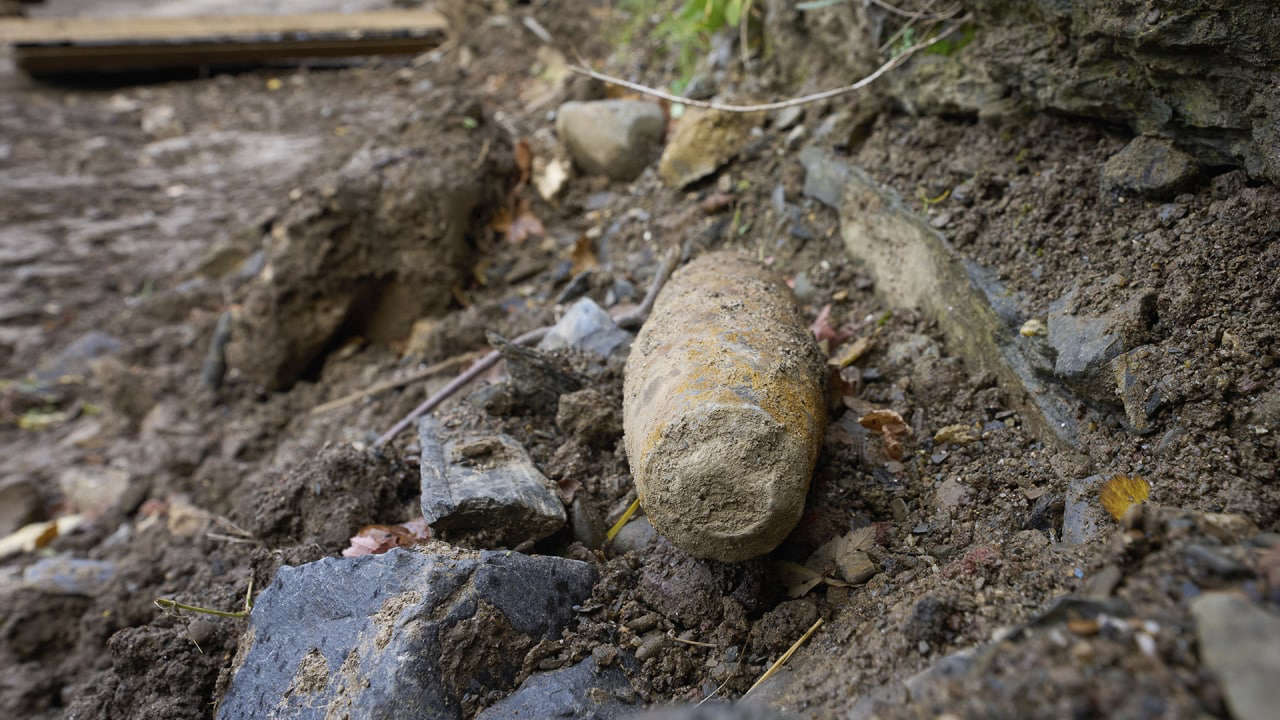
(1151, 167)
(1083, 519)
(583, 691)
(825, 175)
(68, 575)
(617, 138)
(405, 634)
(1240, 644)
(586, 327)
(485, 482)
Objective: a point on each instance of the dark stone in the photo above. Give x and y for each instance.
(825, 175)
(583, 691)
(538, 379)
(485, 482)
(1150, 167)
(405, 634)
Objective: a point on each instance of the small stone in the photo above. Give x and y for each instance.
(702, 142)
(1151, 167)
(1210, 567)
(590, 689)
(635, 536)
(1240, 645)
(588, 528)
(898, 507)
(588, 328)
(63, 574)
(825, 175)
(485, 482)
(951, 494)
(650, 645)
(617, 138)
(20, 504)
(787, 117)
(1083, 519)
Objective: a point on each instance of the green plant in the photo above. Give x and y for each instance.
(688, 31)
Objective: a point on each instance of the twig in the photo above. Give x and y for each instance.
(691, 642)
(921, 15)
(785, 657)
(167, 604)
(376, 388)
(906, 27)
(762, 107)
(628, 320)
(230, 538)
(457, 383)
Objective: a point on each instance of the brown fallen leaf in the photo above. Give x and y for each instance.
(850, 353)
(892, 428)
(524, 163)
(377, 539)
(583, 255)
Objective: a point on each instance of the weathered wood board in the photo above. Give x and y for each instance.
(65, 45)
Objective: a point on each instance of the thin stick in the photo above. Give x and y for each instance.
(454, 385)
(622, 521)
(785, 657)
(778, 105)
(167, 604)
(376, 388)
(692, 642)
(627, 320)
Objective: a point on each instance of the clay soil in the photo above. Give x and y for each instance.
(133, 210)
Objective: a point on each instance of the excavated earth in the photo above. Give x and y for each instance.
(191, 267)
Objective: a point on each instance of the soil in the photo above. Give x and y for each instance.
(137, 212)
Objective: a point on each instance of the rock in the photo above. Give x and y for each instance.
(69, 575)
(588, 527)
(1150, 167)
(74, 359)
(702, 142)
(485, 482)
(1085, 345)
(1240, 645)
(787, 117)
(409, 633)
(1083, 519)
(93, 490)
(635, 536)
(915, 268)
(215, 360)
(590, 416)
(825, 175)
(588, 328)
(933, 680)
(680, 588)
(951, 494)
(583, 691)
(20, 504)
(617, 138)
(1134, 374)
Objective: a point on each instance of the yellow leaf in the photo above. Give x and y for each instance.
(1122, 492)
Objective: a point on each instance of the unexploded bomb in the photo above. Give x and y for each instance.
(723, 409)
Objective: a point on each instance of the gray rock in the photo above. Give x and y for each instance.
(1083, 519)
(825, 175)
(787, 117)
(485, 482)
(1085, 345)
(588, 328)
(403, 634)
(583, 691)
(931, 681)
(537, 377)
(20, 503)
(1240, 644)
(635, 536)
(75, 358)
(1138, 388)
(618, 138)
(1150, 167)
(588, 527)
(67, 575)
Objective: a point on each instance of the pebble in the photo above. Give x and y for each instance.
(588, 328)
(1240, 645)
(20, 504)
(1151, 167)
(591, 689)
(64, 574)
(702, 142)
(635, 536)
(1083, 518)
(617, 138)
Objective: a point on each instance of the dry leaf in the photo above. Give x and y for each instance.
(955, 434)
(524, 163)
(377, 539)
(584, 254)
(892, 428)
(850, 353)
(525, 225)
(797, 579)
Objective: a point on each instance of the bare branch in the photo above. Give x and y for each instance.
(778, 105)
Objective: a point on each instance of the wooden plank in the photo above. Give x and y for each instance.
(53, 45)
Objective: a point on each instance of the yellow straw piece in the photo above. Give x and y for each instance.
(626, 517)
(785, 657)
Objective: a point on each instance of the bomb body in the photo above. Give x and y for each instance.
(723, 409)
